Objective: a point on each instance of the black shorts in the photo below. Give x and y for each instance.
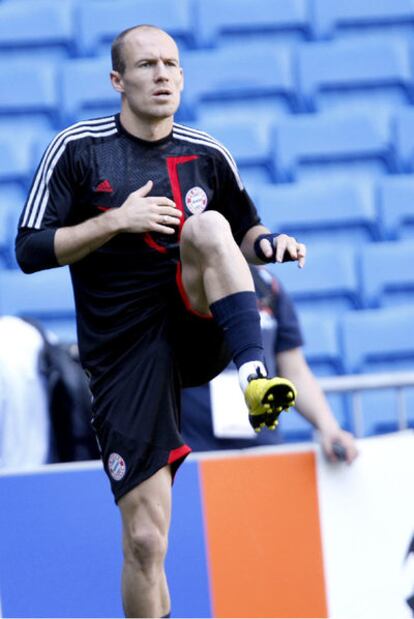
(136, 405)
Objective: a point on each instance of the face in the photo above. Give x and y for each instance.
(153, 79)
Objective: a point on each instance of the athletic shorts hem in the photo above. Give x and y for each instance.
(174, 461)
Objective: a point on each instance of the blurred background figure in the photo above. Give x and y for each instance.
(44, 398)
(24, 411)
(284, 355)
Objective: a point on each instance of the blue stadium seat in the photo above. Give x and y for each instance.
(294, 428)
(316, 210)
(387, 273)
(44, 26)
(403, 124)
(328, 283)
(237, 77)
(12, 200)
(44, 295)
(347, 141)
(16, 152)
(380, 410)
(86, 90)
(233, 21)
(29, 87)
(321, 343)
(333, 18)
(378, 339)
(101, 20)
(359, 69)
(396, 199)
(247, 142)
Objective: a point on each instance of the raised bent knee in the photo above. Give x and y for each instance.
(206, 231)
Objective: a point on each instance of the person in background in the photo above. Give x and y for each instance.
(283, 347)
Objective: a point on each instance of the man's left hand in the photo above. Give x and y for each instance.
(280, 248)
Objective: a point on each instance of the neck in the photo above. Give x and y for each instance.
(150, 130)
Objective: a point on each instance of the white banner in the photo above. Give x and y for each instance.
(367, 518)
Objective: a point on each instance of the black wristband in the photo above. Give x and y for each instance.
(259, 252)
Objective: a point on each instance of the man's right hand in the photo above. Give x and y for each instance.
(143, 213)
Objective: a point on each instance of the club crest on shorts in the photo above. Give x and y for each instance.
(196, 200)
(116, 466)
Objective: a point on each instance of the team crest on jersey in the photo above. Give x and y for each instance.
(196, 200)
(116, 466)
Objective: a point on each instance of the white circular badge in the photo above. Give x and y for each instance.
(116, 466)
(196, 200)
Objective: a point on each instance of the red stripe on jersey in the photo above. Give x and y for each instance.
(172, 167)
(172, 163)
(152, 243)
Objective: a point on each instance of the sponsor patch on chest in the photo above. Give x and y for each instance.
(196, 200)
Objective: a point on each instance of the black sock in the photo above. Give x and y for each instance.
(239, 318)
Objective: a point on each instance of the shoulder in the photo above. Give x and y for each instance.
(209, 144)
(96, 128)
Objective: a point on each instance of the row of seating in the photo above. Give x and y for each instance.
(77, 27)
(315, 76)
(283, 150)
(354, 341)
(379, 413)
(338, 277)
(346, 211)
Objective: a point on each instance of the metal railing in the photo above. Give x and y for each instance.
(356, 383)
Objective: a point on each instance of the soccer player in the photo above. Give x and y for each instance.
(156, 226)
(283, 343)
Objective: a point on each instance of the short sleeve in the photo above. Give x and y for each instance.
(289, 334)
(232, 199)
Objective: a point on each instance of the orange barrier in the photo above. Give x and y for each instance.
(263, 536)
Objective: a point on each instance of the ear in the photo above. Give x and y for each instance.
(182, 79)
(117, 82)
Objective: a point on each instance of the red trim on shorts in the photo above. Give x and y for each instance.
(178, 453)
(184, 296)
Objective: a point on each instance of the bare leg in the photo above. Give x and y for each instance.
(212, 263)
(146, 512)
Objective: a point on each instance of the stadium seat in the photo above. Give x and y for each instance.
(238, 77)
(378, 340)
(44, 295)
(379, 409)
(341, 210)
(101, 20)
(321, 343)
(339, 17)
(16, 152)
(44, 26)
(360, 69)
(86, 90)
(12, 200)
(247, 142)
(29, 88)
(396, 199)
(403, 124)
(387, 273)
(346, 141)
(235, 21)
(327, 284)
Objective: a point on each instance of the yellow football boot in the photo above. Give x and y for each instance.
(266, 398)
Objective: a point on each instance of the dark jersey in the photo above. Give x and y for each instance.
(93, 166)
(281, 332)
